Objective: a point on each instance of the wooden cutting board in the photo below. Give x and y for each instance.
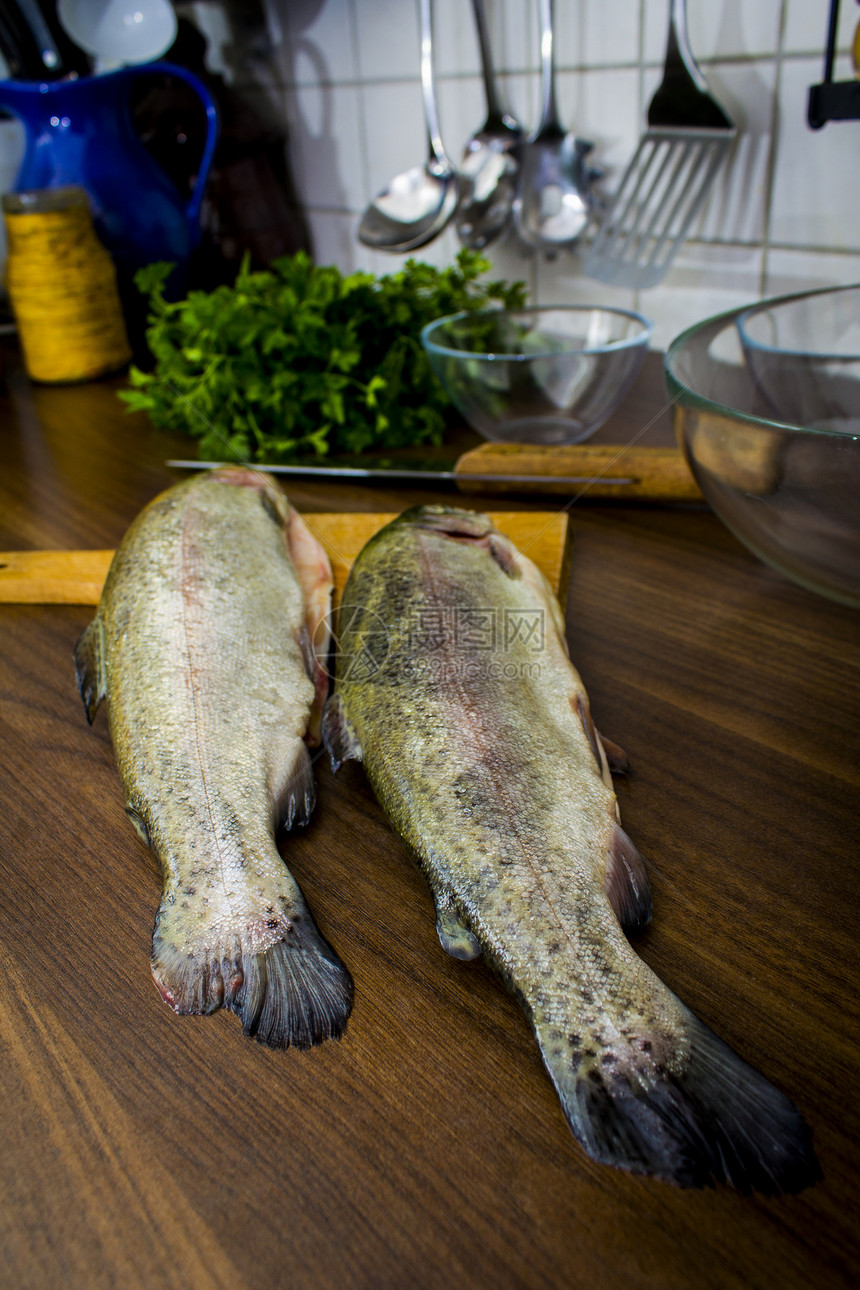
(77, 577)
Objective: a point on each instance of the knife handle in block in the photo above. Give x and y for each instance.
(652, 474)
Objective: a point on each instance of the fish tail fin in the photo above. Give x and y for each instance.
(715, 1119)
(292, 991)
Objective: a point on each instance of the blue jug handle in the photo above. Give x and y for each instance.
(192, 209)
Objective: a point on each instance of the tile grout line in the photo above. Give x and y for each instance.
(736, 244)
(640, 109)
(642, 64)
(772, 155)
(362, 102)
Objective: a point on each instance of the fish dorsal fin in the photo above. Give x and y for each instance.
(338, 735)
(626, 883)
(89, 668)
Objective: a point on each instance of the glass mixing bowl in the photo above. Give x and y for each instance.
(548, 375)
(790, 492)
(804, 354)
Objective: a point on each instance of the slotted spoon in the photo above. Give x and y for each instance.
(671, 174)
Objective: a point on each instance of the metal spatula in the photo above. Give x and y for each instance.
(670, 176)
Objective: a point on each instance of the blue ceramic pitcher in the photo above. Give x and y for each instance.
(81, 132)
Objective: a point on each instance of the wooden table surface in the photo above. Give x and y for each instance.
(427, 1148)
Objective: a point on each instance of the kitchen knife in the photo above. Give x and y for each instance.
(593, 471)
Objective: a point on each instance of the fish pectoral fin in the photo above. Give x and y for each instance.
(611, 759)
(580, 706)
(616, 758)
(338, 735)
(89, 668)
(313, 570)
(295, 798)
(626, 882)
(454, 936)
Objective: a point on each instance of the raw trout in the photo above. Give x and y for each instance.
(201, 647)
(456, 691)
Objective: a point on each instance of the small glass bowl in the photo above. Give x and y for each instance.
(543, 375)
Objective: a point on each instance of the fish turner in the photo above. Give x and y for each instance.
(671, 174)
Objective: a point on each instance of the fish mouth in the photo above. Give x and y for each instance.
(448, 521)
(471, 528)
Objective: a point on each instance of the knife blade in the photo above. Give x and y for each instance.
(600, 471)
(401, 475)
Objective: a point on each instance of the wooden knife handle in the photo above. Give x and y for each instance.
(654, 474)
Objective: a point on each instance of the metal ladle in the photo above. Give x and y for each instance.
(554, 195)
(417, 204)
(489, 170)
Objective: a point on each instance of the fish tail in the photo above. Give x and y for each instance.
(293, 993)
(703, 1119)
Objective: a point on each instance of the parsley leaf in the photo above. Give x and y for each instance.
(299, 360)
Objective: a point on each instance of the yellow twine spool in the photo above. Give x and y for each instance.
(62, 286)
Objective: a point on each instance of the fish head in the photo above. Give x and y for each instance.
(448, 521)
(246, 477)
(472, 528)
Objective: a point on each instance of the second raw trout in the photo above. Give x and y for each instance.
(456, 690)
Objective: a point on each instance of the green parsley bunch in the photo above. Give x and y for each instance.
(299, 360)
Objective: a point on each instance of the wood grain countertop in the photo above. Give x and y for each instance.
(427, 1149)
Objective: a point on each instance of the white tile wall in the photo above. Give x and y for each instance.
(602, 105)
(785, 212)
(721, 29)
(787, 271)
(806, 25)
(704, 280)
(328, 145)
(345, 75)
(816, 183)
(318, 42)
(594, 33)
